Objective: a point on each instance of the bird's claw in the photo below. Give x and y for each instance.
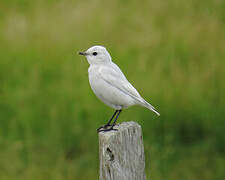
(105, 128)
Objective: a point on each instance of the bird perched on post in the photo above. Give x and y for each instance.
(110, 85)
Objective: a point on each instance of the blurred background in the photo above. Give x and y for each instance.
(172, 51)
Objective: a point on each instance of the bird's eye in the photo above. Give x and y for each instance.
(95, 53)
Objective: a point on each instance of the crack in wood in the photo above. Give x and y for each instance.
(110, 154)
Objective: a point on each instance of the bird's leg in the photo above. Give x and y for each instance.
(113, 124)
(108, 123)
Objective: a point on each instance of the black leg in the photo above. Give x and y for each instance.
(108, 123)
(113, 124)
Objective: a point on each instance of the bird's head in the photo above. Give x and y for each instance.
(96, 55)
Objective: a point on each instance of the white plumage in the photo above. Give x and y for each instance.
(109, 83)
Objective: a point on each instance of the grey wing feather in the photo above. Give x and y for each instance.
(114, 76)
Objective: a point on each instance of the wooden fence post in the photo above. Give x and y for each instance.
(121, 153)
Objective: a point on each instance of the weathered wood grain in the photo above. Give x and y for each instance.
(122, 153)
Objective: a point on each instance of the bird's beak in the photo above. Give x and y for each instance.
(83, 53)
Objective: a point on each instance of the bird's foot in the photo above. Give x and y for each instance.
(105, 128)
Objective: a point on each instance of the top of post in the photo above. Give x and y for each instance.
(121, 127)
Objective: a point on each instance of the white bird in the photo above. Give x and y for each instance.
(110, 85)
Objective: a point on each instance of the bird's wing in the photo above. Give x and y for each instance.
(116, 78)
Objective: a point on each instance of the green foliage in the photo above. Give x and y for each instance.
(173, 53)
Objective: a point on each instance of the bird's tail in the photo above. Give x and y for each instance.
(149, 106)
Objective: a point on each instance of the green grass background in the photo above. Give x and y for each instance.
(172, 51)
